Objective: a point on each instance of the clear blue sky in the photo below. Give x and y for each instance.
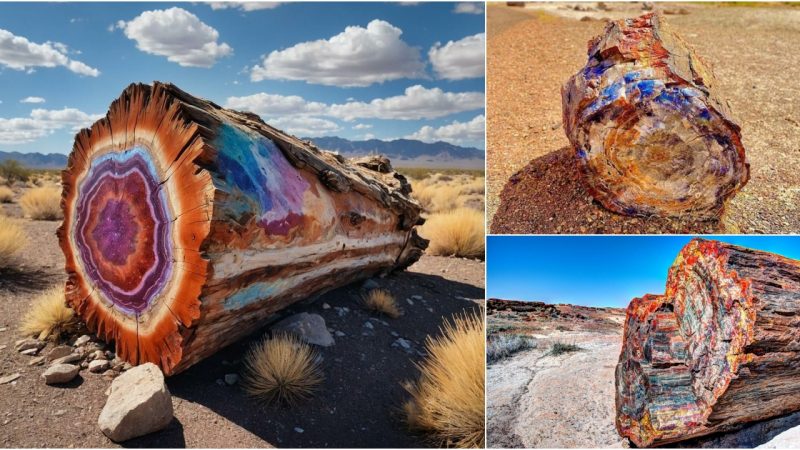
(73, 59)
(596, 270)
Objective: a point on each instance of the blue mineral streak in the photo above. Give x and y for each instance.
(249, 295)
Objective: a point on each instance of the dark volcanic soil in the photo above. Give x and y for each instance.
(357, 405)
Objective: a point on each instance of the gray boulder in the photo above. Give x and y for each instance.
(787, 439)
(308, 327)
(138, 403)
(60, 373)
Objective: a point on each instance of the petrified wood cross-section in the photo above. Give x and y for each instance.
(651, 134)
(186, 224)
(719, 349)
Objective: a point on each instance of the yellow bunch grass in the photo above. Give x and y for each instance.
(49, 315)
(42, 203)
(382, 302)
(281, 368)
(459, 232)
(12, 240)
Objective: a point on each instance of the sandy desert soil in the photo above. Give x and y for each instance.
(357, 406)
(532, 51)
(535, 399)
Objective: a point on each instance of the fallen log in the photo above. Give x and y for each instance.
(719, 349)
(186, 224)
(650, 131)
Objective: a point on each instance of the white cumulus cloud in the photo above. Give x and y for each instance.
(32, 100)
(270, 105)
(357, 56)
(362, 126)
(177, 34)
(469, 8)
(18, 53)
(417, 102)
(455, 132)
(41, 123)
(460, 59)
(244, 6)
(304, 126)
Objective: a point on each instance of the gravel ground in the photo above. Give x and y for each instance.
(532, 51)
(357, 406)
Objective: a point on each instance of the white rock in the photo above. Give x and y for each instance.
(59, 352)
(787, 439)
(60, 373)
(98, 365)
(71, 358)
(82, 340)
(25, 345)
(9, 378)
(308, 327)
(138, 404)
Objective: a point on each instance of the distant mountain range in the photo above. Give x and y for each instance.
(402, 153)
(408, 152)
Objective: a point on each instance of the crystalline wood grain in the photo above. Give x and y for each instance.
(719, 349)
(186, 225)
(650, 132)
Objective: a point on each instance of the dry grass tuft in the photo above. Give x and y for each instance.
(12, 240)
(6, 194)
(382, 302)
(42, 203)
(455, 233)
(448, 399)
(49, 316)
(281, 368)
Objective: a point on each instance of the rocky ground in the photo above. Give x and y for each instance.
(358, 404)
(532, 51)
(536, 399)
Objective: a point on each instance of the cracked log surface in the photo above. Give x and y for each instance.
(186, 224)
(651, 134)
(719, 349)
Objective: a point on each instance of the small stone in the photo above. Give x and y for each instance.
(410, 302)
(370, 285)
(326, 306)
(308, 327)
(59, 352)
(3, 347)
(231, 379)
(36, 361)
(82, 340)
(220, 382)
(394, 334)
(71, 358)
(60, 412)
(60, 373)
(127, 366)
(298, 430)
(339, 334)
(9, 378)
(404, 343)
(99, 354)
(27, 344)
(109, 374)
(369, 325)
(84, 365)
(98, 365)
(139, 403)
(416, 297)
(30, 352)
(3, 329)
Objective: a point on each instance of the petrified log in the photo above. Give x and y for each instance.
(719, 349)
(186, 224)
(651, 134)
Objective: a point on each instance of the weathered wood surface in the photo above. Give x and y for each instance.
(186, 225)
(651, 133)
(719, 349)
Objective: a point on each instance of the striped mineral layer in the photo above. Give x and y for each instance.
(186, 225)
(719, 349)
(649, 132)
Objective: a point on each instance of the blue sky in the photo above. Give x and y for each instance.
(595, 270)
(354, 70)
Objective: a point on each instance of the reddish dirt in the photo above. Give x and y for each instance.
(358, 404)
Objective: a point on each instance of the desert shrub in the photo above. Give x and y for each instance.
(560, 348)
(6, 194)
(455, 233)
(382, 302)
(441, 193)
(49, 315)
(448, 399)
(504, 345)
(12, 240)
(13, 171)
(281, 368)
(42, 203)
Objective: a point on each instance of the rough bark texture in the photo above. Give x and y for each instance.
(719, 349)
(186, 225)
(651, 134)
